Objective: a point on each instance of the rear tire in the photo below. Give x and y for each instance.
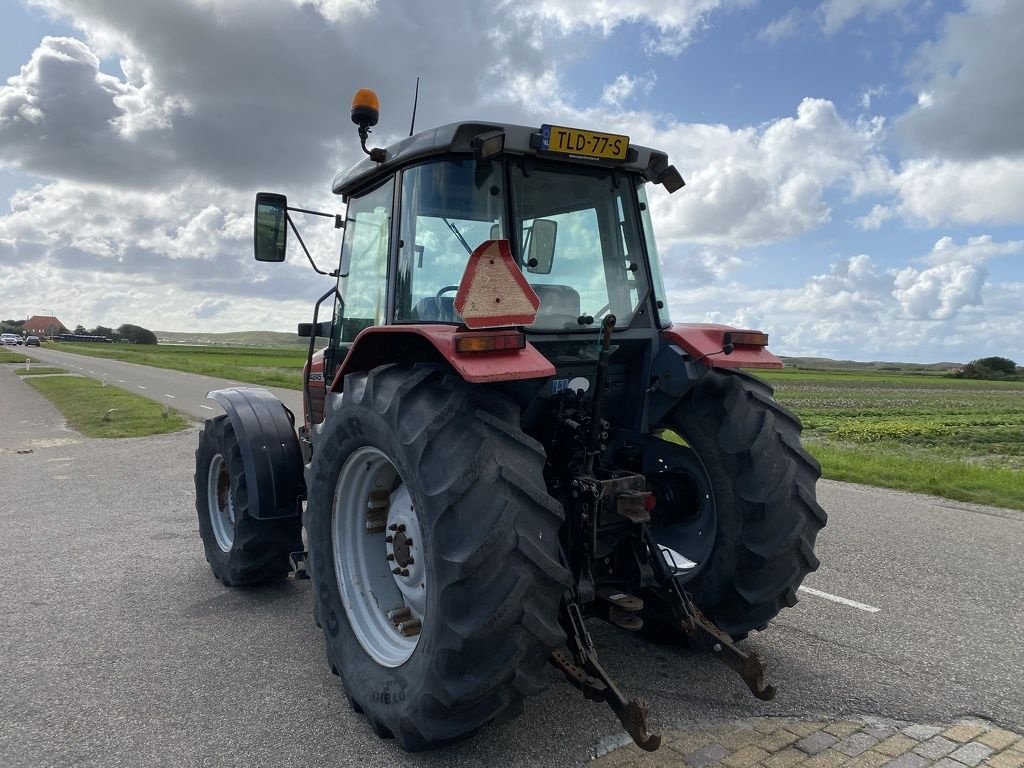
(762, 483)
(240, 549)
(453, 464)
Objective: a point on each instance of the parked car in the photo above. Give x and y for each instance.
(31, 341)
(11, 339)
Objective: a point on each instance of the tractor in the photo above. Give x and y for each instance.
(504, 437)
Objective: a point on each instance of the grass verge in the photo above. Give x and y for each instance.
(8, 356)
(958, 480)
(98, 411)
(37, 370)
(268, 367)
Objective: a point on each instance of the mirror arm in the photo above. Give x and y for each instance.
(304, 249)
(339, 221)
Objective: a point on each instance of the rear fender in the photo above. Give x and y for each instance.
(270, 450)
(411, 344)
(704, 342)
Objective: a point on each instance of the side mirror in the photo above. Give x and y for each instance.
(318, 330)
(540, 252)
(270, 235)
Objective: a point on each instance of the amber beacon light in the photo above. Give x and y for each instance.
(365, 113)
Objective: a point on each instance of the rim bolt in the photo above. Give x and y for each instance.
(408, 542)
(396, 570)
(393, 527)
(400, 528)
(405, 571)
(410, 561)
(390, 556)
(389, 539)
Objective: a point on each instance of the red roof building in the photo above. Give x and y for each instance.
(44, 325)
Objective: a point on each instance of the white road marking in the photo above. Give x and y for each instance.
(841, 600)
(140, 386)
(170, 396)
(120, 381)
(206, 407)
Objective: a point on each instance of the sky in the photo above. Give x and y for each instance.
(854, 168)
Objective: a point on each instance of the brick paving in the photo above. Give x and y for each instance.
(847, 743)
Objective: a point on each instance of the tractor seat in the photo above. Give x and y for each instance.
(557, 300)
(436, 310)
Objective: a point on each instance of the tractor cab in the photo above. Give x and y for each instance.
(570, 204)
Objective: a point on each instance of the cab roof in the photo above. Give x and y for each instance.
(458, 138)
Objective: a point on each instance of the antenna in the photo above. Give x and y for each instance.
(415, 100)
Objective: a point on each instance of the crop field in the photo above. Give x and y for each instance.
(961, 439)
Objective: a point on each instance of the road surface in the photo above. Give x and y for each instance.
(120, 649)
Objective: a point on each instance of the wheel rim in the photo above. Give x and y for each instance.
(220, 504)
(378, 562)
(692, 535)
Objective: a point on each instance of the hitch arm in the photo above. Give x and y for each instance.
(703, 633)
(585, 672)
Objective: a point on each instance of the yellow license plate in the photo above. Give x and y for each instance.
(580, 143)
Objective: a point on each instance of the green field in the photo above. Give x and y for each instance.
(266, 366)
(960, 439)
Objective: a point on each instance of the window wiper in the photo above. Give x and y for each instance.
(455, 231)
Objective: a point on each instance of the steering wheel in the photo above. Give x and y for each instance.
(444, 291)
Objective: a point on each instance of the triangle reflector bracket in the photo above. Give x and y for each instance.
(494, 292)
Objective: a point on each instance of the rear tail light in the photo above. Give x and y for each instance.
(747, 338)
(497, 342)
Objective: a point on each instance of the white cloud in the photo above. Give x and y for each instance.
(874, 220)
(676, 21)
(976, 250)
(936, 191)
(868, 94)
(836, 14)
(761, 185)
(782, 27)
(970, 105)
(624, 87)
(938, 293)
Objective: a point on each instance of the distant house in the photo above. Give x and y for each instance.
(44, 325)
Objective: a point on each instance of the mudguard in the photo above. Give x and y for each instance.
(384, 344)
(270, 450)
(704, 342)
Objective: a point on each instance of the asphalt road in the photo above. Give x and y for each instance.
(118, 648)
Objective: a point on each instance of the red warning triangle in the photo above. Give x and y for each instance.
(493, 292)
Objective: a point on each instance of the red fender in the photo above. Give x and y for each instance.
(706, 340)
(384, 344)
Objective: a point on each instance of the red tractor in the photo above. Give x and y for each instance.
(504, 436)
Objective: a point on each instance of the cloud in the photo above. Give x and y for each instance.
(782, 27)
(759, 185)
(939, 292)
(676, 22)
(970, 106)
(624, 87)
(61, 116)
(936, 191)
(836, 14)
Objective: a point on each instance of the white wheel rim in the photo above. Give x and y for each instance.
(220, 504)
(384, 608)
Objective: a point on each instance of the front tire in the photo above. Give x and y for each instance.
(419, 453)
(761, 485)
(240, 549)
